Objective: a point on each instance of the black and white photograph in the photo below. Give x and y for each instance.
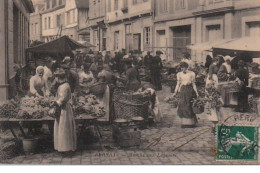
(129, 82)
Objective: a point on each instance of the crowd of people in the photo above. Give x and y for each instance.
(73, 76)
(220, 71)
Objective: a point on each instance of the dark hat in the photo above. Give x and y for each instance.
(184, 65)
(241, 63)
(60, 72)
(158, 52)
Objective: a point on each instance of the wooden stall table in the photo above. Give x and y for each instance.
(85, 120)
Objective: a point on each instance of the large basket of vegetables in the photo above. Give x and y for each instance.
(98, 88)
(129, 104)
(198, 105)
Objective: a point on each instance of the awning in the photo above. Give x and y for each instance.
(248, 44)
(207, 46)
(59, 47)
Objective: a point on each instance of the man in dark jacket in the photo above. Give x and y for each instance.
(242, 96)
(155, 70)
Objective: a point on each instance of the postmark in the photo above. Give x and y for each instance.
(238, 138)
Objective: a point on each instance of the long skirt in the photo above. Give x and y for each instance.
(65, 131)
(185, 112)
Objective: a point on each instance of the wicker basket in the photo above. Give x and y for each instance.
(127, 110)
(98, 88)
(198, 110)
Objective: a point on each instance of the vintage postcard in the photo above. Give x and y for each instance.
(129, 82)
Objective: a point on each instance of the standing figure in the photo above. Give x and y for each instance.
(224, 75)
(132, 77)
(107, 57)
(242, 78)
(208, 62)
(155, 70)
(64, 127)
(38, 86)
(187, 90)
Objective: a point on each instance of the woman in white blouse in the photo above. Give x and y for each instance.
(187, 90)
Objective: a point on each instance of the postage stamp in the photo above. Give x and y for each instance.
(237, 143)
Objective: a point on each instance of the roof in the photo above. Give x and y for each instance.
(250, 44)
(59, 47)
(82, 3)
(206, 46)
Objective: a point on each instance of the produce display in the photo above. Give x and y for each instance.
(213, 97)
(255, 82)
(9, 109)
(89, 104)
(253, 104)
(34, 107)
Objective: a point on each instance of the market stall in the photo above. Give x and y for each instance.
(58, 48)
(246, 49)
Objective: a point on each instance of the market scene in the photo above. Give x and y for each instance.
(128, 82)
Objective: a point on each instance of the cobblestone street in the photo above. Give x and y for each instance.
(177, 146)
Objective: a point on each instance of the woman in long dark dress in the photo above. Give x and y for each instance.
(187, 90)
(242, 78)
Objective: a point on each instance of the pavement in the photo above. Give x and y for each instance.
(175, 146)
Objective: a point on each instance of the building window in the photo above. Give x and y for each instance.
(68, 17)
(45, 23)
(49, 22)
(116, 5)
(163, 6)
(36, 28)
(147, 35)
(109, 5)
(95, 38)
(60, 2)
(59, 20)
(128, 29)
(48, 4)
(116, 40)
(54, 3)
(254, 29)
(183, 4)
(73, 16)
(213, 32)
(125, 3)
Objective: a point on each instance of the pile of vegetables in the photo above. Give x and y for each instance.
(213, 97)
(89, 105)
(34, 107)
(9, 109)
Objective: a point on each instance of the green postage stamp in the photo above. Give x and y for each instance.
(237, 143)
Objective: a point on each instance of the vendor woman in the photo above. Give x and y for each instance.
(132, 77)
(38, 85)
(64, 126)
(224, 75)
(86, 78)
(187, 90)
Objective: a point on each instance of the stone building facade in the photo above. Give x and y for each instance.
(179, 23)
(14, 36)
